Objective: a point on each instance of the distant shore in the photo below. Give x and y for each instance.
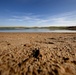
(51, 28)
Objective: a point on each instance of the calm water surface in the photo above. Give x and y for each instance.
(36, 30)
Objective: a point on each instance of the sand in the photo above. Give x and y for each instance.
(37, 53)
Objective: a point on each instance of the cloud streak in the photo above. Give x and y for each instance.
(64, 19)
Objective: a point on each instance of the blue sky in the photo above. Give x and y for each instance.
(37, 12)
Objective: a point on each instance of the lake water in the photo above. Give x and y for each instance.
(36, 30)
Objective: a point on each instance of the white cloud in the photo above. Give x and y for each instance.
(64, 19)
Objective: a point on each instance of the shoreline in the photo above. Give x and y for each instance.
(40, 32)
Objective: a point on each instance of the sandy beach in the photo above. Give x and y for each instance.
(37, 53)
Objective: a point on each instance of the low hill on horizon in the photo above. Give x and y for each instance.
(50, 27)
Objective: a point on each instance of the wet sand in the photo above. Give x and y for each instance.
(37, 53)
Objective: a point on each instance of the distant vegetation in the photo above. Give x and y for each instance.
(13, 28)
(51, 28)
(62, 28)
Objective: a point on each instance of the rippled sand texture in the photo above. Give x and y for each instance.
(37, 53)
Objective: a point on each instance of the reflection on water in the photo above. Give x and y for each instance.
(36, 30)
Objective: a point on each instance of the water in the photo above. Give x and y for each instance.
(36, 30)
